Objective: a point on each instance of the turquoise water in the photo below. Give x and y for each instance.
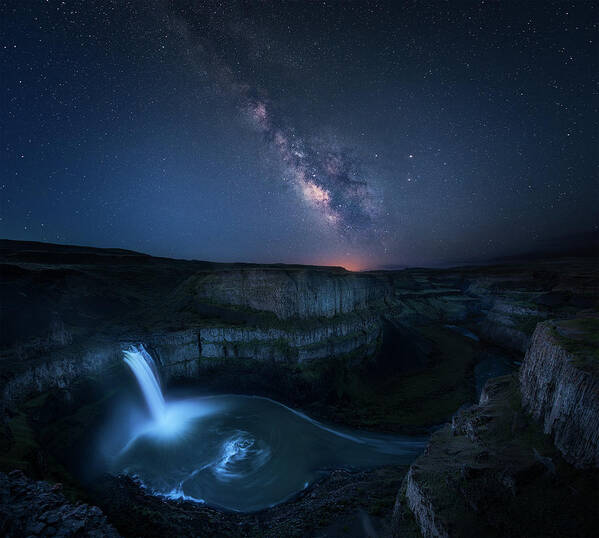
(236, 452)
(246, 453)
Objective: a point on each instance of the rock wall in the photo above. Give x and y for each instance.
(431, 525)
(331, 338)
(491, 472)
(176, 352)
(59, 302)
(181, 353)
(59, 369)
(563, 397)
(507, 320)
(291, 293)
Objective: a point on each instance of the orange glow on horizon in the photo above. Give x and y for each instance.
(349, 265)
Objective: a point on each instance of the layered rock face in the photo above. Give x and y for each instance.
(68, 311)
(325, 340)
(57, 300)
(60, 301)
(182, 353)
(492, 472)
(436, 488)
(291, 293)
(503, 303)
(562, 395)
(32, 508)
(59, 369)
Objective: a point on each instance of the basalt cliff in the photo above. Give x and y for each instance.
(524, 461)
(396, 351)
(560, 387)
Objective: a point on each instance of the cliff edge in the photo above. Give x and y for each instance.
(492, 472)
(559, 381)
(523, 462)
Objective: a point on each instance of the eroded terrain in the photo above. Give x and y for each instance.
(396, 351)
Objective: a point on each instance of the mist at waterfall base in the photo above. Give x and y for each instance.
(235, 452)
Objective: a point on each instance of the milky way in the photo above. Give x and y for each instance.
(324, 179)
(374, 133)
(327, 179)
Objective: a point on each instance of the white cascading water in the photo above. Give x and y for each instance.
(168, 418)
(238, 452)
(143, 367)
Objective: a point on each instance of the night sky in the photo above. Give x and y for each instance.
(362, 134)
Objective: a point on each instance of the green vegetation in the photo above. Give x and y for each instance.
(381, 396)
(18, 446)
(46, 432)
(512, 467)
(358, 389)
(580, 337)
(526, 324)
(21, 449)
(69, 431)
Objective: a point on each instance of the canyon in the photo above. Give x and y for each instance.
(408, 351)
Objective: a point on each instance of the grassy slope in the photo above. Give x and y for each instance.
(470, 483)
(580, 337)
(376, 396)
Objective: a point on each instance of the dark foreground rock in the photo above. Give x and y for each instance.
(32, 508)
(343, 503)
(492, 472)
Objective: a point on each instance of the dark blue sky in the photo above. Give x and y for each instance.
(352, 133)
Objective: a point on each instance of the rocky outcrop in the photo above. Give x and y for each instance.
(59, 369)
(30, 508)
(177, 352)
(509, 320)
(423, 509)
(562, 396)
(492, 473)
(436, 486)
(291, 293)
(335, 505)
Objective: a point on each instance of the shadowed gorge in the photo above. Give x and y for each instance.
(183, 393)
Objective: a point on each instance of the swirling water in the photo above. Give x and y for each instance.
(244, 453)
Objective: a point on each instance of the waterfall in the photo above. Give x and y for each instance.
(143, 367)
